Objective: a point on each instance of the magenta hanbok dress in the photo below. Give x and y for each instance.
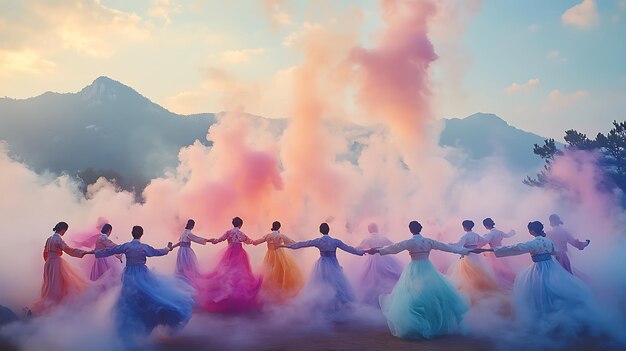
(503, 271)
(379, 273)
(231, 286)
(561, 237)
(186, 260)
(111, 266)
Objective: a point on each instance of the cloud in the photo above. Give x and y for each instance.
(27, 61)
(559, 100)
(240, 56)
(553, 54)
(583, 15)
(534, 27)
(35, 32)
(523, 87)
(163, 9)
(278, 12)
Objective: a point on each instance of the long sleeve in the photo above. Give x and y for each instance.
(513, 250)
(287, 240)
(108, 244)
(151, 251)
(437, 245)
(71, 251)
(115, 250)
(261, 240)
(347, 248)
(196, 239)
(221, 238)
(509, 234)
(302, 244)
(575, 242)
(246, 239)
(461, 241)
(394, 248)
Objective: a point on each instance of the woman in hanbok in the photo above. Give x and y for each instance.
(186, 260)
(561, 237)
(548, 298)
(231, 287)
(282, 278)
(108, 265)
(60, 279)
(423, 304)
(503, 271)
(147, 299)
(380, 273)
(329, 285)
(472, 275)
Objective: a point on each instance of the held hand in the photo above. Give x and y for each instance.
(478, 251)
(170, 246)
(587, 242)
(372, 251)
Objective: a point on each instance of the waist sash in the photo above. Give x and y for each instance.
(54, 254)
(423, 255)
(541, 257)
(328, 254)
(185, 244)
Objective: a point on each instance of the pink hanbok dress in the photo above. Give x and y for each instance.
(501, 268)
(60, 279)
(105, 266)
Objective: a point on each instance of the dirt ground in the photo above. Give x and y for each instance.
(349, 338)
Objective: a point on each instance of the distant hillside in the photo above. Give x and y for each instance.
(109, 129)
(484, 135)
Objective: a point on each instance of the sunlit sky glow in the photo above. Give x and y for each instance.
(544, 66)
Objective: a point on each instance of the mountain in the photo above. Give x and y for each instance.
(484, 135)
(108, 129)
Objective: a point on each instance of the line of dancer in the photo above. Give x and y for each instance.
(418, 301)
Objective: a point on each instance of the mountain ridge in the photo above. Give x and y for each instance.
(125, 135)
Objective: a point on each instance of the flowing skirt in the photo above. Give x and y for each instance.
(148, 300)
(105, 268)
(378, 277)
(423, 304)
(231, 287)
(475, 278)
(503, 272)
(60, 281)
(328, 292)
(549, 298)
(282, 278)
(187, 265)
(563, 260)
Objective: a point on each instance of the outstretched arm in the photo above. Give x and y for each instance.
(150, 251)
(509, 234)
(261, 240)
(347, 248)
(197, 239)
(72, 251)
(115, 250)
(302, 244)
(580, 245)
(221, 238)
(513, 250)
(436, 245)
(394, 248)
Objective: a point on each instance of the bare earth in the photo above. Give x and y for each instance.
(349, 338)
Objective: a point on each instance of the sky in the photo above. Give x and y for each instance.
(543, 66)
